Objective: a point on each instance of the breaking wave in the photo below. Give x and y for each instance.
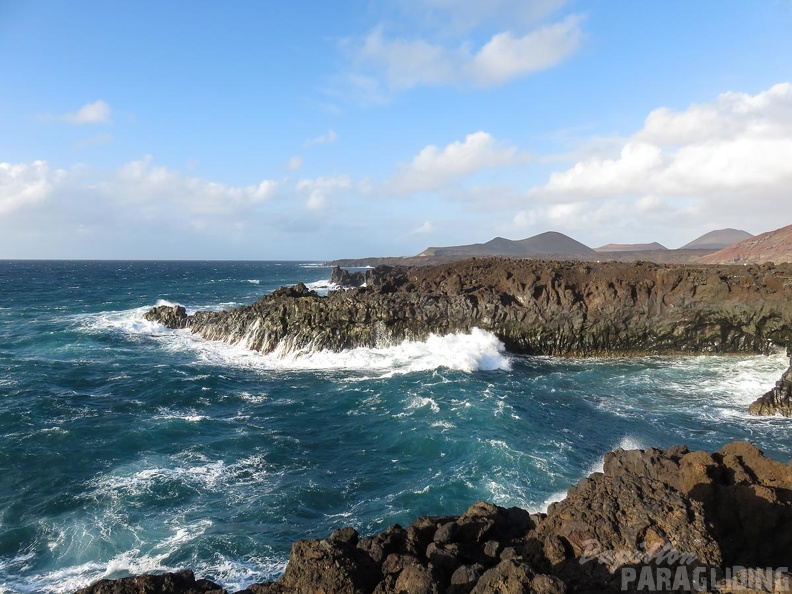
(479, 350)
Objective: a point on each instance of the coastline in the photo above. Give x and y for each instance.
(315, 561)
(653, 520)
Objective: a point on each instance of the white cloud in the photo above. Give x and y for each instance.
(724, 163)
(316, 191)
(425, 227)
(295, 163)
(737, 146)
(328, 138)
(97, 112)
(400, 64)
(507, 56)
(433, 168)
(142, 181)
(23, 185)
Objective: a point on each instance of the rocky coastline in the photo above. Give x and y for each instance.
(535, 307)
(653, 520)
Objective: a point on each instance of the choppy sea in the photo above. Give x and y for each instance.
(128, 448)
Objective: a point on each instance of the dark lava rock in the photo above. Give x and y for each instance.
(344, 278)
(170, 316)
(671, 510)
(778, 400)
(183, 582)
(534, 307)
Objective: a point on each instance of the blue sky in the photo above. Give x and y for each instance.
(312, 130)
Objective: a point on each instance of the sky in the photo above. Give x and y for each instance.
(313, 130)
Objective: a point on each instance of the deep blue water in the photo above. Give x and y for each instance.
(125, 447)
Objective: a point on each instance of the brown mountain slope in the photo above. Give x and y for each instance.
(774, 246)
(717, 240)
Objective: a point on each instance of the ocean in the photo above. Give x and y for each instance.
(128, 448)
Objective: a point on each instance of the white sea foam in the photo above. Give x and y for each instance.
(253, 281)
(323, 287)
(478, 350)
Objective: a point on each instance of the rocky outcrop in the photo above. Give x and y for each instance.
(534, 307)
(344, 278)
(779, 399)
(689, 515)
(183, 582)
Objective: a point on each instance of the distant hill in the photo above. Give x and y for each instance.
(774, 246)
(549, 243)
(630, 247)
(717, 240)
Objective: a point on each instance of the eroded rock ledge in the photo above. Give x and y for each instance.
(534, 307)
(779, 399)
(695, 515)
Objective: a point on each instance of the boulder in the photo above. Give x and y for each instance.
(183, 582)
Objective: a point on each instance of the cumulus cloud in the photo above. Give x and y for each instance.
(434, 168)
(316, 191)
(23, 185)
(143, 181)
(385, 62)
(97, 112)
(706, 162)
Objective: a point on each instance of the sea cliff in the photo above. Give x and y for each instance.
(534, 307)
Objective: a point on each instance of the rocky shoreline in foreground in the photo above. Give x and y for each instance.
(652, 521)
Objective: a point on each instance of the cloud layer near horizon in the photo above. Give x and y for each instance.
(717, 164)
(725, 161)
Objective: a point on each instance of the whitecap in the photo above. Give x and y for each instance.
(323, 287)
(477, 351)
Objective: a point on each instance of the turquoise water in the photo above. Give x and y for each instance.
(126, 447)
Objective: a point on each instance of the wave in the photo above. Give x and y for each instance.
(479, 350)
(323, 287)
(159, 557)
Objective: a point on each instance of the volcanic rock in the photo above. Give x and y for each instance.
(534, 307)
(674, 510)
(183, 582)
(778, 400)
(344, 278)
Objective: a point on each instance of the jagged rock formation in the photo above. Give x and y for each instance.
(779, 399)
(344, 278)
(183, 582)
(534, 307)
(687, 515)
